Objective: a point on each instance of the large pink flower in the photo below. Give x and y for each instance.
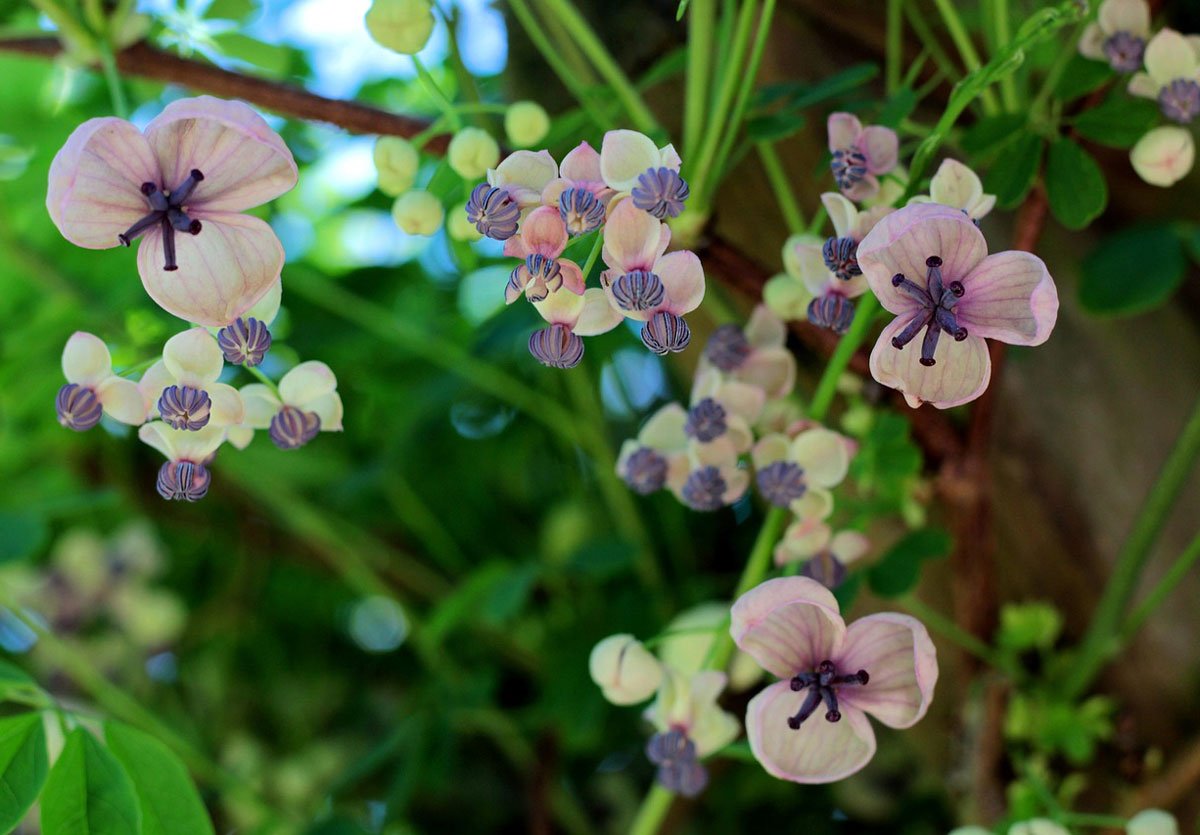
(811, 726)
(181, 186)
(929, 265)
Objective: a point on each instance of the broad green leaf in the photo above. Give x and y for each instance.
(1012, 174)
(493, 593)
(169, 802)
(1116, 278)
(1075, 185)
(1081, 77)
(898, 571)
(1119, 121)
(992, 132)
(23, 766)
(88, 792)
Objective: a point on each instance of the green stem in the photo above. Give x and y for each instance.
(951, 631)
(1002, 29)
(257, 373)
(827, 387)
(894, 56)
(699, 46)
(1099, 641)
(776, 176)
(138, 367)
(966, 49)
(1178, 570)
(112, 77)
(439, 96)
(593, 255)
(1053, 76)
(916, 20)
(652, 812)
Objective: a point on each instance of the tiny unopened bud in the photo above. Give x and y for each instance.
(459, 226)
(418, 213)
(1164, 156)
(472, 152)
(402, 26)
(625, 670)
(396, 161)
(526, 123)
(1152, 822)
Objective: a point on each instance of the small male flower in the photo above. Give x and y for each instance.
(756, 355)
(396, 163)
(571, 316)
(690, 726)
(928, 264)
(182, 186)
(1172, 75)
(799, 472)
(724, 408)
(1119, 34)
(883, 664)
(513, 188)
(1164, 156)
(418, 212)
(959, 187)
(579, 192)
(825, 557)
(472, 152)
(860, 154)
(542, 240)
(526, 123)
(307, 403)
(246, 340)
(645, 462)
(708, 477)
(92, 388)
(626, 155)
(402, 26)
(185, 475)
(182, 387)
(624, 670)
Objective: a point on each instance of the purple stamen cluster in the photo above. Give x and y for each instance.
(1124, 51)
(781, 483)
(184, 481)
(833, 311)
(166, 210)
(580, 210)
(679, 769)
(542, 276)
(841, 257)
(826, 569)
(184, 407)
(849, 167)
(638, 290)
(660, 192)
(728, 348)
(292, 428)
(78, 407)
(937, 301)
(556, 346)
(704, 489)
(1180, 100)
(666, 333)
(244, 342)
(822, 685)
(493, 212)
(706, 421)
(645, 471)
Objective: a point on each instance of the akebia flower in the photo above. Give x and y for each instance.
(959, 187)
(1119, 34)
(579, 192)
(246, 340)
(632, 164)
(624, 670)
(181, 187)
(724, 408)
(799, 472)
(811, 726)
(756, 355)
(928, 265)
(513, 188)
(1172, 75)
(691, 725)
(571, 316)
(307, 403)
(860, 154)
(185, 475)
(182, 387)
(92, 388)
(542, 239)
(1164, 156)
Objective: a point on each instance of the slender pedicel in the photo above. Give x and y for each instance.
(166, 209)
(822, 685)
(244, 342)
(704, 489)
(185, 407)
(580, 210)
(937, 300)
(556, 346)
(706, 421)
(660, 192)
(666, 333)
(78, 407)
(781, 483)
(493, 212)
(645, 471)
(292, 428)
(728, 348)
(638, 290)
(183, 481)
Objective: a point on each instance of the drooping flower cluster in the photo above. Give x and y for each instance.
(622, 195)
(181, 187)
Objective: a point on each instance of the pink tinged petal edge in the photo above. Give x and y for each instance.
(789, 625)
(543, 233)
(843, 130)
(94, 191)
(881, 147)
(818, 751)
(1010, 296)
(683, 278)
(222, 272)
(85, 359)
(581, 164)
(961, 372)
(900, 658)
(244, 162)
(864, 189)
(633, 239)
(903, 240)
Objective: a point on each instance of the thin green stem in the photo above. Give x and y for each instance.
(653, 810)
(700, 42)
(137, 368)
(1002, 30)
(1100, 640)
(776, 176)
(257, 373)
(1175, 574)
(966, 49)
(916, 20)
(894, 56)
(1053, 76)
(951, 631)
(593, 255)
(439, 96)
(112, 77)
(73, 32)
(827, 387)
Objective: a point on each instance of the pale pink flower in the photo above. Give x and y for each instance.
(541, 241)
(1164, 156)
(799, 472)
(1118, 35)
(523, 176)
(756, 355)
(579, 192)
(182, 387)
(182, 186)
(860, 154)
(92, 388)
(307, 402)
(928, 264)
(1172, 75)
(811, 726)
(959, 187)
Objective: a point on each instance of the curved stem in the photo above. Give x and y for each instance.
(966, 49)
(699, 55)
(894, 55)
(777, 177)
(653, 810)
(439, 96)
(1178, 570)
(257, 373)
(827, 387)
(112, 78)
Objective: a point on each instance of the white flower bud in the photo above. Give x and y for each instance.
(1152, 822)
(472, 152)
(787, 297)
(970, 830)
(458, 227)
(624, 669)
(526, 123)
(401, 25)
(418, 213)
(1037, 826)
(1164, 156)
(396, 161)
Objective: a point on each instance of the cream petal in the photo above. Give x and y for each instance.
(849, 546)
(122, 400)
(193, 358)
(787, 297)
(329, 409)
(562, 307)
(85, 359)
(597, 316)
(267, 308)
(543, 232)
(803, 539)
(668, 157)
(961, 372)
(817, 752)
(771, 369)
(259, 405)
(683, 278)
(843, 130)
(769, 449)
(842, 213)
(903, 240)
(1169, 56)
(239, 436)
(664, 430)
(154, 380)
(765, 329)
(983, 207)
(632, 239)
(815, 505)
(955, 185)
(1141, 84)
(868, 218)
(864, 190)
(788, 624)
(1010, 296)
(525, 174)
(1091, 42)
(227, 407)
(161, 437)
(1164, 156)
(823, 456)
(1132, 16)
(624, 156)
(900, 658)
(881, 147)
(307, 382)
(94, 191)
(581, 164)
(223, 271)
(803, 259)
(744, 399)
(182, 444)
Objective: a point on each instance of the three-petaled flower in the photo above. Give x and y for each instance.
(185, 475)
(860, 155)
(182, 387)
(307, 403)
(93, 389)
(1118, 35)
(1172, 75)
(541, 241)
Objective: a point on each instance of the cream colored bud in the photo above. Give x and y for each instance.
(1164, 156)
(526, 123)
(396, 161)
(1152, 822)
(403, 26)
(1037, 826)
(472, 152)
(787, 297)
(625, 670)
(458, 227)
(418, 213)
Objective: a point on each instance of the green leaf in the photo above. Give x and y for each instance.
(1081, 77)
(1012, 174)
(1075, 185)
(22, 534)
(169, 802)
(88, 792)
(1115, 277)
(775, 126)
(23, 766)
(992, 132)
(15, 680)
(803, 94)
(900, 568)
(898, 108)
(1119, 121)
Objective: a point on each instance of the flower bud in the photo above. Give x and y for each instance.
(625, 670)
(418, 213)
(526, 123)
(1152, 822)
(970, 830)
(787, 297)
(459, 227)
(396, 161)
(1164, 156)
(401, 25)
(1037, 826)
(472, 152)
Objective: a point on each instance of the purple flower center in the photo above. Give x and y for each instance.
(781, 483)
(539, 276)
(660, 192)
(638, 290)
(1180, 100)
(822, 685)
(826, 569)
(833, 311)
(1124, 51)
(728, 348)
(645, 471)
(936, 314)
(849, 167)
(292, 428)
(704, 489)
(666, 333)
(166, 210)
(184, 407)
(183, 481)
(244, 342)
(78, 407)
(841, 256)
(679, 769)
(493, 212)
(580, 210)
(706, 421)
(556, 346)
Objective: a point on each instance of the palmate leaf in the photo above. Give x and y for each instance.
(88, 792)
(1116, 280)
(1075, 185)
(1012, 174)
(169, 802)
(23, 766)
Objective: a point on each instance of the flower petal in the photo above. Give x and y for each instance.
(765, 329)
(633, 239)
(329, 409)
(1164, 156)
(223, 271)
(803, 259)
(769, 449)
(1169, 56)
(823, 456)
(816, 504)
(1142, 85)
(624, 156)
(787, 297)
(154, 380)
(581, 164)
(881, 147)
(85, 359)
(597, 315)
(843, 130)
(900, 658)
(849, 546)
(267, 308)
(227, 407)
(1010, 296)
(788, 624)
(1132, 16)
(664, 430)
(95, 182)
(961, 372)
(683, 279)
(1091, 42)
(542, 232)
(193, 358)
(819, 751)
(562, 307)
(122, 400)
(182, 444)
(771, 369)
(259, 405)
(307, 382)
(903, 240)
(955, 185)
(803, 539)
(244, 162)
(525, 174)
(842, 213)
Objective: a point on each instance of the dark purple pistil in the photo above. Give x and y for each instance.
(1180, 100)
(660, 192)
(833, 311)
(556, 346)
(645, 471)
(638, 290)
(666, 333)
(704, 489)
(841, 257)
(292, 428)
(706, 421)
(728, 348)
(937, 301)
(493, 212)
(781, 483)
(822, 685)
(679, 769)
(166, 209)
(78, 407)
(580, 210)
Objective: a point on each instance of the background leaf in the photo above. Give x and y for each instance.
(169, 802)
(1075, 185)
(22, 766)
(88, 793)
(1012, 174)
(1119, 121)
(1116, 279)
(898, 570)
